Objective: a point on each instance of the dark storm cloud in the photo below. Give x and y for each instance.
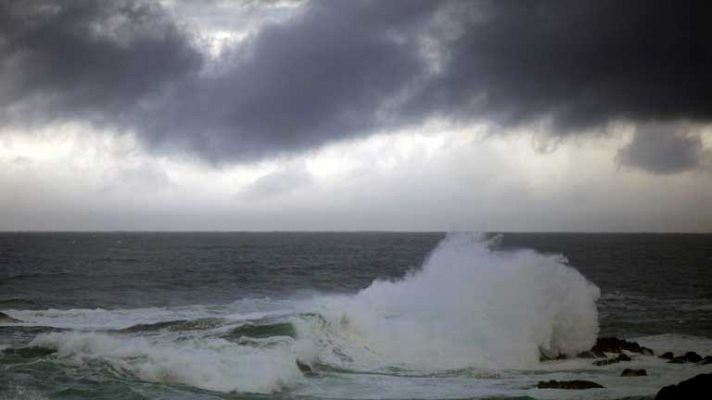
(582, 63)
(662, 149)
(320, 76)
(87, 59)
(339, 69)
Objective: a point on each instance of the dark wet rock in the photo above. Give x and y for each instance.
(667, 356)
(569, 385)
(4, 318)
(306, 369)
(603, 363)
(548, 355)
(621, 357)
(706, 361)
(689, 357)
(615, 345)
(693, 357)
(592, 354)
(634, 372)
(551, 357)
(698, 387)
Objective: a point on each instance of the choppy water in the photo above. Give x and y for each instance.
(375, 315)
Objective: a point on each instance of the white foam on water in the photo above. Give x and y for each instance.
(207, 363)
(468, 306)
(470, 322)
(19, 392)
(99, 318)
(103, 319)
(678, 344)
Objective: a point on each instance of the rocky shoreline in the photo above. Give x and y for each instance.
(689, 389)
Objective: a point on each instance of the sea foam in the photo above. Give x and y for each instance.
(468, 306)
(203, 362)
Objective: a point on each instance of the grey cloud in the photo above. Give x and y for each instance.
(280, 182)
(94, 60)
(140, 177)
(321, 76)
(342, 68)
(662, 149)
(583, 63)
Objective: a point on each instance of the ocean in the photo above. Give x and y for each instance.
(345, 315)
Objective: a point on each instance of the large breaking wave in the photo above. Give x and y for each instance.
(468, 306)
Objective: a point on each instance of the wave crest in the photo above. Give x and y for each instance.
(469, 306)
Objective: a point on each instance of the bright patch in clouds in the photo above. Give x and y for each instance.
(438, 177)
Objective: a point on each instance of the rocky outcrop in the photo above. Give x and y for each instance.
(621, 357)
(698, 387)
(599, 350)
(4, 318)
(550, 355)
(634, 372)
(592, 354)
(615, 345)
(569, 385)
(689, 357)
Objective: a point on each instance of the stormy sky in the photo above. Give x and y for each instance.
(355, 115)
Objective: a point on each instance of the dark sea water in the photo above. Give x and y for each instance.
(374, 315)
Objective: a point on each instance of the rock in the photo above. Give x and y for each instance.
(621, 357)
(543, 357)
(4, 318)
(592, 354)
(547, 355)
(667, 356)
(698, 387)
(689, 357)
(693, 357)
(569, 385)
(705, 361)
(306, 369)
(615, 345)
(634, 372)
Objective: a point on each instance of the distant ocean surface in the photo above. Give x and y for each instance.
(344, 315)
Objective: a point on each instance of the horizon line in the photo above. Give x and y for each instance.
(105, 231)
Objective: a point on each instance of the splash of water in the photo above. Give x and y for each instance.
(470, 306)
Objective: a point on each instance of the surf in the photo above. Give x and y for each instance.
(468, 306)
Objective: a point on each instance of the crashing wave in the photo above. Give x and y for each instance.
(468, 306)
